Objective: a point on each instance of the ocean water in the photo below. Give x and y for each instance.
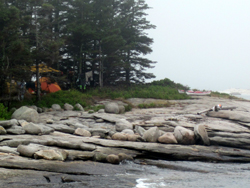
(247, 97)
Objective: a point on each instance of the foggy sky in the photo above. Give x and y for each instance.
(204, 44)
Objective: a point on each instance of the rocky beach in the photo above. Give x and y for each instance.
(154, 147)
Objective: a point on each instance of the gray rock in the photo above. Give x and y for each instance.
(8, 123)
(79, 107)
(139, 130)
(51, 154)
(62, 128)
(49, 121)
(16, 130)
(56, 107)
(112, 107)
(122, 124)
(100, 157)
(167, 138)
(82, 132)
(2, 130)
(39, 110)
(101, 111)
(68, 107)
(184, 136)
(25, 113)
(121, 109)
(128, 131)
(33, 129)
(201, 134)
(99, 120)
(152, 134)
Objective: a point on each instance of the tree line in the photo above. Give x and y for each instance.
(106, 37)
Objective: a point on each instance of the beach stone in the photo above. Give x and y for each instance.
(51, 154)
(56, 107)
(122, 124)
(139, 130)
(45, 109)
(184, 136)
(152, 134)
(32, 128)
(49, 121)
(16, 130)
(39, 110)
(2, 130)
(112, 107)
(128, 131)
(119, 136)
(25, 113)
(100, 157)
(79, 107)
(82, 132)
(68, 107)
(201, 134)
(8, 123)
(99, 120)
(167, 138)
(134, 137)
(101, 111)
(113, 159)
(125, 157)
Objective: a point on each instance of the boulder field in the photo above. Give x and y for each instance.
(77, 142)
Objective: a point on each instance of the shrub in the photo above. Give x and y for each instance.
(4, 114)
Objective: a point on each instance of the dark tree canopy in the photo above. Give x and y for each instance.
(105, 37)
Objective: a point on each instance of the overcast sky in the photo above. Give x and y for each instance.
(204, 44)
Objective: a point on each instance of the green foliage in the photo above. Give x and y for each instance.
(154, 105)
(4, 114)
(61, 97)
(139, 91)
(169, 83)
(95, 108)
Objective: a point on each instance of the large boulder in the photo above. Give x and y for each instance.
(51, 154)
(33, 129)
(201, 134)
(184, 136)
(167, 138)
(56, 107)
(8, 123)
(68, 107)
(112, 107)
(152, 134)
(122, 124)
(25, 113)
(139, 130)
(79, 107)
(16, 130)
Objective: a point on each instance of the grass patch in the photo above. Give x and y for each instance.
(155, 105)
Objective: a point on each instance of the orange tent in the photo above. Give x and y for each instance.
(50, 88)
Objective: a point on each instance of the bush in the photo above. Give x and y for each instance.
(4, 114)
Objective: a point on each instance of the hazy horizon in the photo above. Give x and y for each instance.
(199, 43)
